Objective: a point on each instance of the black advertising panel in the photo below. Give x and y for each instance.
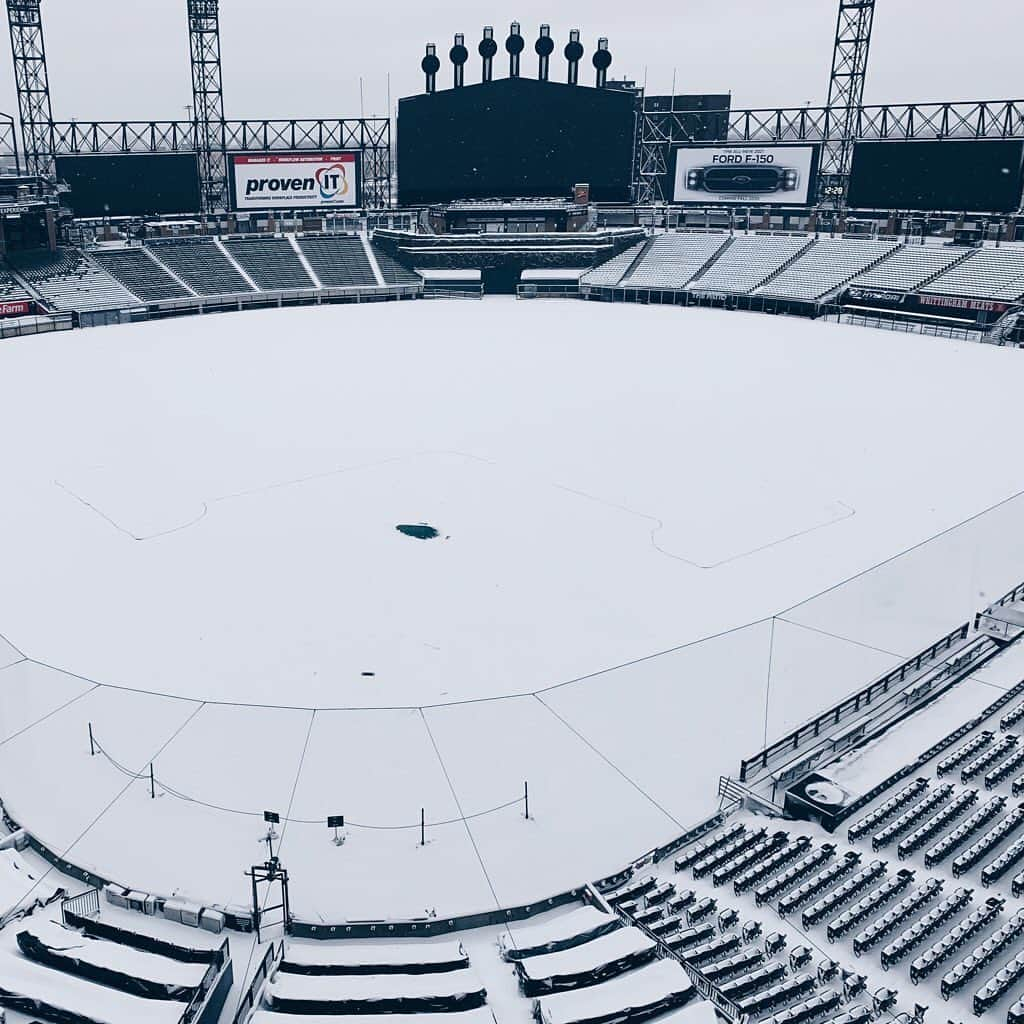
(971, 176)
(515, 138)
(131, 184)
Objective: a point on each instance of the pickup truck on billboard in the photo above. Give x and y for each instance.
(782, 175)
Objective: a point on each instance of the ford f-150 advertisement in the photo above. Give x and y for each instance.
(762, 175)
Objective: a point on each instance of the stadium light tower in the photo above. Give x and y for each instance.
(33, 84)
(574, 54)
(602, 62)
(514, 45)
(487, 49)
(208, 97)
(545, 46)
(431, 65)
(846, 93)
(458, 56)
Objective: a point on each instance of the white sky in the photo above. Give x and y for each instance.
(128, 59)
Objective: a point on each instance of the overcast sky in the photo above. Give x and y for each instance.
(128, 59)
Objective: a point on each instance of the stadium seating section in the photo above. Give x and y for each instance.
(11, 290)
(202, 265)
(67, 280)
(672, 261)
(911, 268)
(338, 260)
(826, 266)
(271, 262)
(797, 267)
(751, 261)
(140, 274)
(988, 274)
(781, 267)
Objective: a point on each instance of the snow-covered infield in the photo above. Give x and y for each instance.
(201, 560)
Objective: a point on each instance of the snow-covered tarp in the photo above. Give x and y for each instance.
(29, 989)
(594, 961)
(653, 989)
(376, 993)
(572, 929)
(374, 958)
(108, 963)
(16, 881)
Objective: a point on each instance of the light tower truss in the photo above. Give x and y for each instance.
(660, 131)
(32, 83)
(208, 100)
(846, 93)
(370, 136)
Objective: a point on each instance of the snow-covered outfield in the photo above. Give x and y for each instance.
(200, 558)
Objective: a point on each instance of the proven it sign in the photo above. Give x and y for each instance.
(295, 181)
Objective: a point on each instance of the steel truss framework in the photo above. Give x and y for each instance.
(984, 119)
(9, 140)
(370, 136)
(32, 82)
(846, 88)
(208, 98)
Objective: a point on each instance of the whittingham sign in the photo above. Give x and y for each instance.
(295, 181)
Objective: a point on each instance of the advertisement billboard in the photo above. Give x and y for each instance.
(295, 181)
(131, 184)
(982, 176)
(761, 175)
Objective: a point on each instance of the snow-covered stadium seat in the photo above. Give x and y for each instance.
(988, 273)
(826, 266)
(69, 281)
(338, 260)
(201, 265)
(271, 262)
(611, 272)
(140, 274)
(749, 262)
(910, 268)
(673, 260)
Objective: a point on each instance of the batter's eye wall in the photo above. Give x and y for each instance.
(515, 138)
(981, 177)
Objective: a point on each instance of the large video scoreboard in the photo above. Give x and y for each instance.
(976, 176)
(515, 138)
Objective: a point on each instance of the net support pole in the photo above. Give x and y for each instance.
(92, 742)
(423, 827)
(526, 799)
(152, 783)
